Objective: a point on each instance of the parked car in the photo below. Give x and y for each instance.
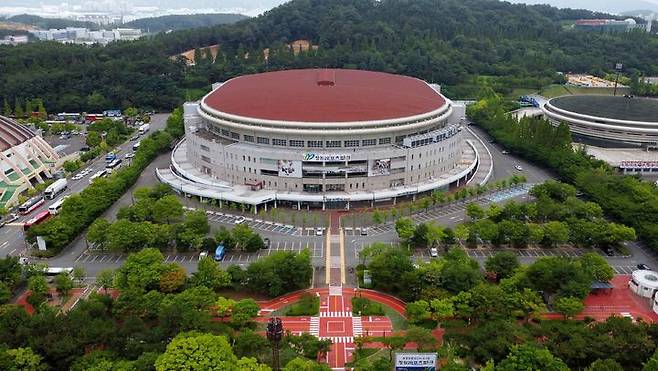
(518, 167)
(364, 231)
(130, 155)
(319, 231)
(78, 176)
(434, 252)
(134, 138)
(643, 267)
(505, 152)
(240, 220)
(11, 218)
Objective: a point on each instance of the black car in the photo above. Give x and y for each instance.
(266, 243)
(643, 267)
(608, 251)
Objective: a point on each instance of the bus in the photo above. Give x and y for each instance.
(57, 206)
(37, 219)
(30, 205)
(113, 165)
(219, 253)
(99, 174)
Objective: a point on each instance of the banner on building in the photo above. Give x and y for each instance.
(379, 167)
(289, 168)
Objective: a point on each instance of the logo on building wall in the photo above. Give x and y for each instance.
(289, 169)
(312, 156)
(380, 167)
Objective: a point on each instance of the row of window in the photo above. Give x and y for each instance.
(308, 143)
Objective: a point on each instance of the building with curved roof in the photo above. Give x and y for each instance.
(610, 120)
(321, 137)
(25, 159)
(644, 283)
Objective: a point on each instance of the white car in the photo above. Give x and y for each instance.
(518, 167)
(319, 231)
(505, 152)
(130, 155)
(78, 176)
(240, 220)
(434, 252)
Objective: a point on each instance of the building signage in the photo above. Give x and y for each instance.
(289, 169)
(415, 361)
(638, 164)
(319, 157)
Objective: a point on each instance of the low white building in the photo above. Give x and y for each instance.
(644, 283)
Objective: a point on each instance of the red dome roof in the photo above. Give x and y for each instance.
(325, 95)
(12, 133)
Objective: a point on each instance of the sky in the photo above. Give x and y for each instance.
(247, 7)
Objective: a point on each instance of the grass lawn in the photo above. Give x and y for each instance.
(517, 92)
(371, 354)
(397, 321)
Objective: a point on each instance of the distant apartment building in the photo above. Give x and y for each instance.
(79, 35)
(14, 40)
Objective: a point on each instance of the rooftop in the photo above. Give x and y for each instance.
(325, 95)
(12, 133)
(611, 107)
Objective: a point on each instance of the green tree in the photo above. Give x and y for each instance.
(474, 211)
(6, 108)
(78, 274)
(63, 283)
(193, 351)
(93, 139)
(105, 278)
(377, 217)
(418, 311)
(24, 359)
(224, 306)
(210, 275)
(39, 288)
(405, 229)
(442, 309)
(141, 271)
(527, 357)
(555, 233)
(597, 267)
(167, 209)
(243, 312)
(568, 306)
(604, 365)
(173, 279)
(422, 337)
(503, 263)
(301, 364)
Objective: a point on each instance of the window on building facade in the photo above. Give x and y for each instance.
(206, 159)
(351, 143)
(205, 148)
(385, 140)
(262, 140)
(279, 142)
(296, 143)
(333, 143)
(248, 138)
(314, 144)
(368, 142)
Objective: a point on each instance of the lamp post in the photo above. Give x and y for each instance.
(274, 335)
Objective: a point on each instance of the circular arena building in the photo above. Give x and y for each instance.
(611, 121)
(321, 138)
(25, 159)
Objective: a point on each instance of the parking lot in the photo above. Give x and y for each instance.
(315, 246)
(256, 224)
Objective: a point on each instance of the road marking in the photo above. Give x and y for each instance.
(11, 252)
(4, 244)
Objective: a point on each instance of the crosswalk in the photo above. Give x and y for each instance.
(624, 269)
(314, 328)
(345, 313)
(339, 339)
(357, 326)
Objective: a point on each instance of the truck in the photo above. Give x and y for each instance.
(56, 188)
(111, 156)
(144, 128)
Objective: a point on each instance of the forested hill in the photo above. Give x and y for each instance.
(182, 22)
(458, 43)
(48, 23)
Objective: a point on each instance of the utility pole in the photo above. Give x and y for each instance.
(274, 335)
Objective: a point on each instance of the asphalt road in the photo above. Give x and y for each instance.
(12, 241)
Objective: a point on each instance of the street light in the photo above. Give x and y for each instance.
(275, 334)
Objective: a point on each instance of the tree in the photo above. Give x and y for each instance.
(131, 112)
(5, 293)
(457, 277)
(474, 211)
(63, 283)
(167, 209)
(442, 309)
(604, 365)
(556, 275)
(568, 306)
(527, 357)
(39, 288)
(389, 269)
(405, 229)
(597, 267)
(526, 303)
(97, 233)
(173, 279)
(224, 306)
(141, 271)
(301, 364)
(418, 311)
(210, 275)
(502, 264)
(78, 273)
(243, 312)
(377, 217)
(105, 278)
(194, 351)
(6, 108)
(422, 337)
(393, 343)
(555, 233)
(24, 359)
(93, 139)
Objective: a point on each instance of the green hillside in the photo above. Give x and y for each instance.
(181, 22)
